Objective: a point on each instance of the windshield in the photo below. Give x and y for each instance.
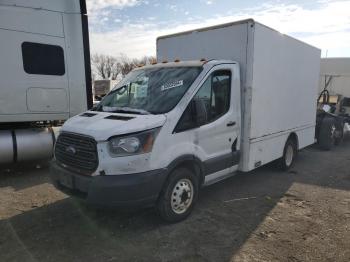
(153, 90)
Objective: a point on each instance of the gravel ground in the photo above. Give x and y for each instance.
(265, 215)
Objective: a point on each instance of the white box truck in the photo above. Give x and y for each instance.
(44, 73)
(236, 97)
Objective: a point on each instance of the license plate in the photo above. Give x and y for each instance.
(67, 181)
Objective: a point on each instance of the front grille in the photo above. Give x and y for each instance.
(77, 152)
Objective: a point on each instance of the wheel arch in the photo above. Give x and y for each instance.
(294, 137)
(191, 162)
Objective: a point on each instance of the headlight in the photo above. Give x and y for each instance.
(139, 143)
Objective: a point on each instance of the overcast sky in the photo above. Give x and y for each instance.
(131, 26)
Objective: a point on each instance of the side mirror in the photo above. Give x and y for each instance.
(199, 110)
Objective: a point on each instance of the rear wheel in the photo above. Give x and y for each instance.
(289, 154)
(328, 133)
(339, 132)
(179, 195)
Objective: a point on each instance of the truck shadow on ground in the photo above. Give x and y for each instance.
(226, 215)
(24, 175)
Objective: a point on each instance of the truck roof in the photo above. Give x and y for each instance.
(207, 28)
(249, 20)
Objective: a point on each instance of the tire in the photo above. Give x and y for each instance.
(178, 196)
(327, 133)
(289, 154)
(339, 132)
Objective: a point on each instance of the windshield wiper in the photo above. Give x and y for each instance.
(117, 109)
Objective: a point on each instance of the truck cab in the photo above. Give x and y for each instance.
(181, 117)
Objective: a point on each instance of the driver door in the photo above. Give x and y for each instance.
(218, 136)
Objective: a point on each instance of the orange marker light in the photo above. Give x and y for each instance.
(147, 147)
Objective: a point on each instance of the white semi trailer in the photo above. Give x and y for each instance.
(335, 75)
(44, 73)
(226, 98)
(333, 116)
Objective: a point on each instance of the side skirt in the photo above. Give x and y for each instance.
(220, 167)
(220, 175)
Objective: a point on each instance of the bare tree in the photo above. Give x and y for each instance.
(146, 60)
(128, 64)
(105, 66)
(109, 67)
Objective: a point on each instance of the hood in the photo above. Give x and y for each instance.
(103, 125)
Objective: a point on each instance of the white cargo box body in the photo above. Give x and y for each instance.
(339, 71)
(279, 82)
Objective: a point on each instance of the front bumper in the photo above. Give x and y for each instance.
(141, 189)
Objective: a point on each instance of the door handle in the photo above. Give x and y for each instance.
(232, 123)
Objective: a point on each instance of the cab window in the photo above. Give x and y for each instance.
(214, 96)
(43, 59)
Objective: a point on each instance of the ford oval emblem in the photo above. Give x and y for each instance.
(71, 150)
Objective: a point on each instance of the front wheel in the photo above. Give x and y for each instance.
(289, 154)
(179, 195)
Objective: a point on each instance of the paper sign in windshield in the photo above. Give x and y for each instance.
(171, 85)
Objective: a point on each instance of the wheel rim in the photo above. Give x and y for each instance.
(289, 155)
(182, 196)
(333, 132)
